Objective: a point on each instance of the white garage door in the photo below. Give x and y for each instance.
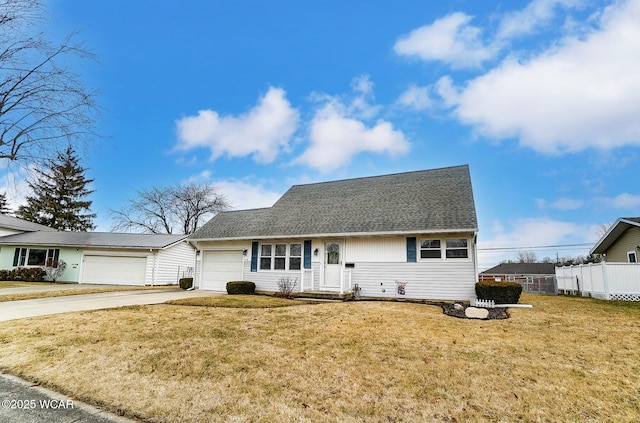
(220, 267)
(111, 270)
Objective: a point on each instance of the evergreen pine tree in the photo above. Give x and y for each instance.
(59, 195)
(4, 204)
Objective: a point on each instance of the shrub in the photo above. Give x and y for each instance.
(56, 270)
(27, 274)
(185, 283)
(240, 287)
(500, 292)
(286, 285)
(5, 275)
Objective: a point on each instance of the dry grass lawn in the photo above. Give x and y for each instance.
(565, 360)
(64, 292)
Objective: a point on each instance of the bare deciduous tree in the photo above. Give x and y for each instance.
(527, 257)
(180, 209)
(43, 103)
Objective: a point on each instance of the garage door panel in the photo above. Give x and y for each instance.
(114, 270)
(220, 267)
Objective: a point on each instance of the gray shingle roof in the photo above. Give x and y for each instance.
(522, 269)
(18, 224)
(92, 239)
(437, 200)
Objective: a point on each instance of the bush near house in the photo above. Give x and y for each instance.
(500, 292)
(241, 287)
(25, 274)
(185, 283)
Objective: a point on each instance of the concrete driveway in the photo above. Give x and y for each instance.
(21, 309)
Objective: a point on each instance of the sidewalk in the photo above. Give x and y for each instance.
(23, 403)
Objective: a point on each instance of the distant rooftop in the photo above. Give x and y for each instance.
(92, 239)
(18, 224)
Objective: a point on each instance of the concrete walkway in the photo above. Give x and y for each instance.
(21, 309)
(24, 403)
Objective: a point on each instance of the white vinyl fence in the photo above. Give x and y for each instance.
(608, 281)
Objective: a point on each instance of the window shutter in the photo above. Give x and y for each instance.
(16, 256)
(56, 254)
(411, 249)
(254, 256)
(307, 254)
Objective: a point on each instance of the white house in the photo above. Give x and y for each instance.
(406, 235)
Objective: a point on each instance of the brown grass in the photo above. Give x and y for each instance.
(238, 301)
(66, 292)
(565, 360)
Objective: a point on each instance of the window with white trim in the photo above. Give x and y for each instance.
(454, 248)
(632, 257)
(430, 248)
(36, 257)
(457, 248)
(280, 256)
(295, 256)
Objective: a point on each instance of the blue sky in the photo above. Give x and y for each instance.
(540, 98)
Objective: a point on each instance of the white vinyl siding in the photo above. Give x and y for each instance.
(171, 262)
(440, 280)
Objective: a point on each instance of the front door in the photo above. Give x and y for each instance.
(332, 264)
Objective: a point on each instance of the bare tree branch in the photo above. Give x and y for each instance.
(179, 209)
(44, 105)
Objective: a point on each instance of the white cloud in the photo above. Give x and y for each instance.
(534, 232)
(622, 201)
(338, 130)
(416, 98)
(335, 138)
(583, 93)
(534, 16)
(262, 132)
(561, 204)
(451, 40)
(244, 195)
(14, 184)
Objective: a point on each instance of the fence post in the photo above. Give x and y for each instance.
(605, 280)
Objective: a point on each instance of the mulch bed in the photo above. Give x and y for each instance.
(494, 313)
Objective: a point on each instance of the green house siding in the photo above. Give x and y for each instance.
(71, 256)
(628, 241)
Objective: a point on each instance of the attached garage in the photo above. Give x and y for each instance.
(114, 270)
(220, 267)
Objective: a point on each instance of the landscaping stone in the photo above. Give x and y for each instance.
(476, 313)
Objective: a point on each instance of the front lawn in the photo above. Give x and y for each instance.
(567, 359)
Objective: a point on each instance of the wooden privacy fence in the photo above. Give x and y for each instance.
(608, 281)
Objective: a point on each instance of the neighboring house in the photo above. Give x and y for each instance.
(10, 225)
(406, 235)
(102, 257)
(621, 243)
(534, 277)
(615, 278)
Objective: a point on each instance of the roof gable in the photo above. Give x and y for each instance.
(437, 200)
(614, 232)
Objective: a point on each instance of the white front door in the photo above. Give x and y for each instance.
(332, 260)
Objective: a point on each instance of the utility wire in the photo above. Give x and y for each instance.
(538, 247)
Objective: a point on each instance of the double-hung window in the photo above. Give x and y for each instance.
(430, 248)
(632, 257)
(280, 256)
(454, 248)
(457, 248)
